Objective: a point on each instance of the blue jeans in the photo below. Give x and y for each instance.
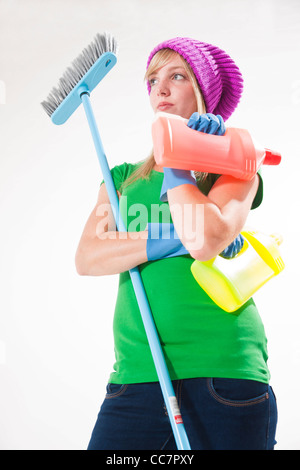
(218, 414)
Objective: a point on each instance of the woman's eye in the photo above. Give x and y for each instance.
(152, 81)
(178, 76)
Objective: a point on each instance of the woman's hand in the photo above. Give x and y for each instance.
(163, 242)
(234, 248)
(207, 123)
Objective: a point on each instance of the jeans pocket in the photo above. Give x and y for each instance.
(237, 392)
(115, 390)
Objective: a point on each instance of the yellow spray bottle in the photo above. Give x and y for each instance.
(231, 282)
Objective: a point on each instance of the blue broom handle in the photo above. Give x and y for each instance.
(179, 432)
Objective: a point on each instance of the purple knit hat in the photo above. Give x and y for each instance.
(219, 78)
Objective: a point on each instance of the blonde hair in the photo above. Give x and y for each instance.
(160, 59)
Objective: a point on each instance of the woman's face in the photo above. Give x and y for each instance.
(171, 89)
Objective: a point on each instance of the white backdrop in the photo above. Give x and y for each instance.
(56, 349)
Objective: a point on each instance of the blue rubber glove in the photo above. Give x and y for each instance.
(234, 248)
(163, 242)
(174, 178)
(208, 123)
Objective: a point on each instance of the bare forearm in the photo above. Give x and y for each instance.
(199, 222)
(213, 221)
(111, 253)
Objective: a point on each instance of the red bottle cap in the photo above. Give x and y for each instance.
(272, 158)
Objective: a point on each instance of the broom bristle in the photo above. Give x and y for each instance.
(80, 66)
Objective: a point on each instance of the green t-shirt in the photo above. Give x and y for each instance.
(198, 338)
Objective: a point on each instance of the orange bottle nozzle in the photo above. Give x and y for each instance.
(272, 158)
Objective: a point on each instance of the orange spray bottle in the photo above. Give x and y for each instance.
(235, 153)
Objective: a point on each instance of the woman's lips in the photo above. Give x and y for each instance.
(164, 105)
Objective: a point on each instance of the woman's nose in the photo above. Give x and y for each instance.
(163, 89)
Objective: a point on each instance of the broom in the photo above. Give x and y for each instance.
(74, 88)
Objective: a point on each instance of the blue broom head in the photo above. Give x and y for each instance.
(84, 74)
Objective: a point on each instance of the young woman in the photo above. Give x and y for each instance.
(217, 361)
